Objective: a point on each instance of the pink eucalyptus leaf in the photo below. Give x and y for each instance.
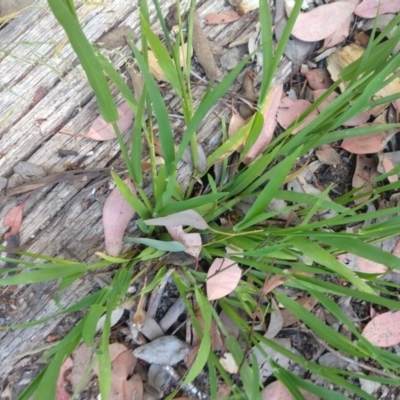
(62, 394)
(117, 213)
(318, 78)
(289, 111)
(13, 219)
(360, 264)
(187, 218)
(328, 155)
(369, 8)
(221, 18)
(318, 93)
(384, 329)
(358, 120)
(192, 241)
(322, 21)
(364, 174)
(222, 278)
(339, 35)
(102, 130)
(269, 112)
(366, 144)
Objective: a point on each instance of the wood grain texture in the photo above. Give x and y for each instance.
(34, 53)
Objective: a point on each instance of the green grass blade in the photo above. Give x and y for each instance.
(87, 57)
(321, 256)
(163, 58)
(90, 323)
(280, 172)
(160, 109)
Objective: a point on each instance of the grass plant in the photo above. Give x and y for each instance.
(266, 250)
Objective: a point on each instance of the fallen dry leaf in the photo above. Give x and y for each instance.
(154, 66)
(388, 161)
(203, 52)
(101, 130)
(221, 18)
(275, 323)
(272, 283)
(236, 122)
(343, 57)
(365, 173)
(192, 241)
(13, 219)
(360, 264)
(122, 368)
(186, 218)
(278, 391)
(117, 213)
(369, 8)
(115, 349)
(366, 144)
(339, 35)
(318, 78)
(289, 111)
(322, 21)
(328, 155)
(222, 278)
(384, 329)
(269, 112)
(82, 357)
(308, 302)
(62, 394)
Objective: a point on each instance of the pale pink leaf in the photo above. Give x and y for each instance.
(318, 93)
(358, 119)
(364, 174)
(13, 219)
(369, 8)
(235, 123)
(222, 278)
(360, 264)
(117, 213)
(318, 78)
(122, 368)
(339, 35)
(322, 21)
(387, 166)
(102, 130)
(384, 329)
(272, 283)
(269, 112)
(115, 349)
(396, 250)
(62, 394)
(366, 144)
(187, 218)
(221, 18)
(192, 241)
(277, 391)
(289, 111)
(328, 155)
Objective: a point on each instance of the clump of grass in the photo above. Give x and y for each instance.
(265, 250)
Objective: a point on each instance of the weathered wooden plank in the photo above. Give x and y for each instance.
(33, 53)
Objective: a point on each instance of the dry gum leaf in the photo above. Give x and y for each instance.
(117, 213)
(269, 111)
(343, 57)
(221, 18)
(364, 174)
(370, 8)
(101, 130)
(384, 329)
(222, 278)
(322, 21)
